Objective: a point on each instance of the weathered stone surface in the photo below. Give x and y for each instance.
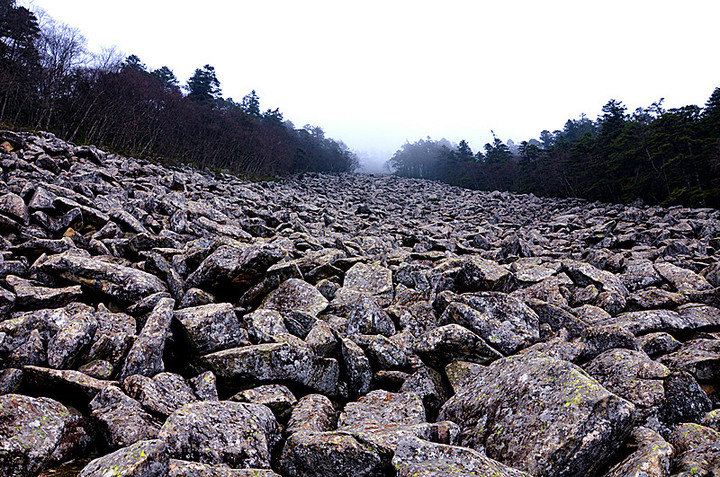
(700, 357)
(454, 342)
(223, 432)
(276, 397)
(296, 295)
(122, 283)
(504, 322)
(162, 395)
(212, 327)
(36, 433)
(372, 279)
(205, 386)
(142, 459)
(631, 375)
(568, 422)
(651, 456)
(314, 412)
(30, 295)
(276, 362)
(697, 450)
(420, 458)
(57, 382)
(181, 468)
(122, 419)
(380, 295)
(146, 354)
(330, 454)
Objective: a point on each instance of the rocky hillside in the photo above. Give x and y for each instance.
(167, 322)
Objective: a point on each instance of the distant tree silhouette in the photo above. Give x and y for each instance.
(204, 85)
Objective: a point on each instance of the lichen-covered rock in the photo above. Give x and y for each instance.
(212, 327)
(142, 459)
(419, 458)
(631, 375)
(80, 387)
(651, 456)
(32, 296)
(296, 295)
(146, 354)
(313, 412)
(372, 295)
(331, 454)
(274, 362)
(122, 283)
(205, 386)
(454, 342)
(36, 433)
(697, 450)
(181, 468)
(541, 415)
(121, 420)
(223, 432)
(162, 394)
(276, 397)
(372, 279)
(478, 274)
(700, 357)
(503, 322)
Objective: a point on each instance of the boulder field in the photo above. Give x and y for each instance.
(158, 320)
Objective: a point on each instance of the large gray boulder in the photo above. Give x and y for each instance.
(36, 433)
(420, 458)
(212, 327)
(272, 362)
(222, 432)
(125, 284)
(142, 459)
(541, 415)
(146, 354)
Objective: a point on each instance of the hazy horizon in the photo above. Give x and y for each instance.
(376, 75)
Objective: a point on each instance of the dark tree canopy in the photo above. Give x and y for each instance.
(204, 85)
(47, 81)
(656, 155)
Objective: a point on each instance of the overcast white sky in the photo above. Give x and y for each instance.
(377, 73)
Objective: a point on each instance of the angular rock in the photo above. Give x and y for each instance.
(146, 354)
(453, 342)
(124, 284)
(276, 397)
(420, 458)
(162, 395)
(36, 433)
(212, 327)
(237, 434)
(504, 322)
(121, 419)
(267, 363)
(570, 424)
(373, 279)
(313, 412)
(142, 459)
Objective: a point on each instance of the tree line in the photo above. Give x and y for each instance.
(657, 155)
(49, 81)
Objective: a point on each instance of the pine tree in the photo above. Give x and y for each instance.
(251, 104)
(167, 77)
(203, 85)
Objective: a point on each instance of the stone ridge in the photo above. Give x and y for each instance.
(168, 322)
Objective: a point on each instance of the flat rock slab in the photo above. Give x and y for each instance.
(122, 283)
(420, 458)
(274, 362)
